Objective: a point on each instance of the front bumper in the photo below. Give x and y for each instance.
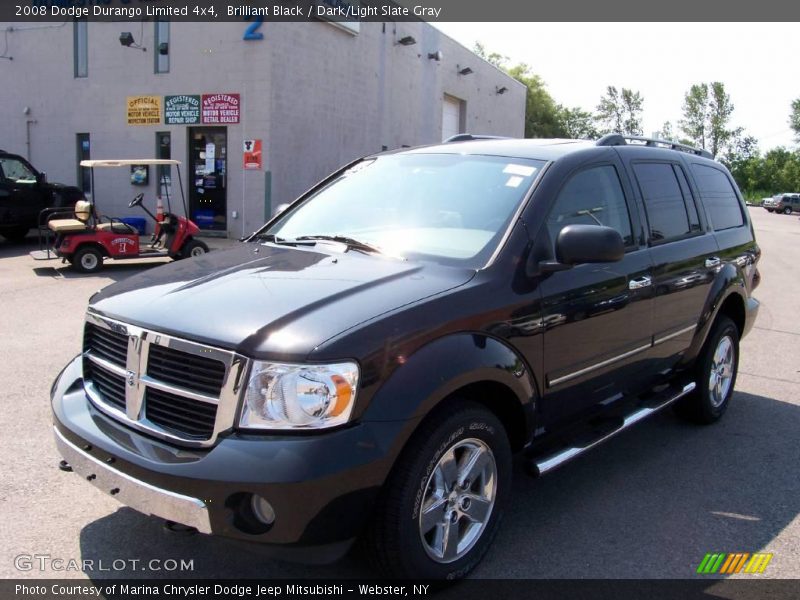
(322, 486)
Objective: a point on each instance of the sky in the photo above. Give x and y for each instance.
(756, 62)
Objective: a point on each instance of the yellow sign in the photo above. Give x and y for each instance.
(144, 110)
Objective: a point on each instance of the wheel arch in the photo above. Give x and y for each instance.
(478, 368)
(726, 297)
(93, 244)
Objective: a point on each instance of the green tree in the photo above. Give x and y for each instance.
(577, 123)
(620, 111)
(542, 115)
(794, 119)
(707, 111)
(695, 114)
(666, 132)
(498, 60)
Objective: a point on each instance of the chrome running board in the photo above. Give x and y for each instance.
(546, 463)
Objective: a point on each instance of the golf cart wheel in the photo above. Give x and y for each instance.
(17, 234)
(87, 260)
(194, 248)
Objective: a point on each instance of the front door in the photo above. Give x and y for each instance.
(21, 192)
(208, 177)
(597, 318)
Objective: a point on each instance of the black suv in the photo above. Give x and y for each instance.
(368, 363)
(24, 192)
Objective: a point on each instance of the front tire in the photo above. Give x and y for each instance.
(716, 371)
(443, 503)
(87, 260)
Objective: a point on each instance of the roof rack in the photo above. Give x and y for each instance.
(470, 137)
(618, 139)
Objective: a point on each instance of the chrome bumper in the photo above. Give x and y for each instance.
(139, 495)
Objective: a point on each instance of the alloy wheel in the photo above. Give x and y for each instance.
(458, 500)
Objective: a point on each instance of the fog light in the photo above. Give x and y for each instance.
(262, 510)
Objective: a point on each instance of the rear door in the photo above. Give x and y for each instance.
(596, 317)
(683, 252)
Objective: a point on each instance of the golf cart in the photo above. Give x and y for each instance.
(88, 238)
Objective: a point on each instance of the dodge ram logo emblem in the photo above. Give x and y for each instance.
(131, 377)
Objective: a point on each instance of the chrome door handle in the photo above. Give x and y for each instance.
(641, 282)
(712, 262)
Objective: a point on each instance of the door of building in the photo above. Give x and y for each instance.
(208, 177)
(451, 117)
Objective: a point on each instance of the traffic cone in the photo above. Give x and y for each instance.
(159, 209)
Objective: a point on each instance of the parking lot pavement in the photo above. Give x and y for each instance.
(648, 504)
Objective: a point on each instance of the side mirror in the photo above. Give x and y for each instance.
(578, 244)
(41, 178)
(279, 209)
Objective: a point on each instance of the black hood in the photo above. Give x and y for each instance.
(269, 301)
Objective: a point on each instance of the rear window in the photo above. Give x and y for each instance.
(722, 204)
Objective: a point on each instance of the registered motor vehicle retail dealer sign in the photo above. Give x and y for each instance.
(221, 109)
(181, 110)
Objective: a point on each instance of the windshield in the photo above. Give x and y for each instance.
(451, 208)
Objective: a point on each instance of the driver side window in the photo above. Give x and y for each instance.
(593, 196)
(16, 171)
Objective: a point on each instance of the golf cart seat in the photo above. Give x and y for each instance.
(83, 212)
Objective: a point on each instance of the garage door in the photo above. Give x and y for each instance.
(451, 117)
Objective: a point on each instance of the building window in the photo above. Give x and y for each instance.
(163, 172)
(83, 147)
(81, 48)
(162, 47)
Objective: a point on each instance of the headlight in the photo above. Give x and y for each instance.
(283, 396)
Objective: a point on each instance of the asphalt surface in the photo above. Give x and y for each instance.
(647, 504)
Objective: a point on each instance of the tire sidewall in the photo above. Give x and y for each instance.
(725, 327)
(78, 257)
(479, 424)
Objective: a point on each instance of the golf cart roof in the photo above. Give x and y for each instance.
(128, 161)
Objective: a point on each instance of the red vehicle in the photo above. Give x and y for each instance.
(88, 238)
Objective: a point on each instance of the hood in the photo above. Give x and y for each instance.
(267, 301)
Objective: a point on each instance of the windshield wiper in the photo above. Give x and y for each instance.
(271, 237)
(343, 239)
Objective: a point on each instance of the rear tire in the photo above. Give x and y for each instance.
(193, 248)
(87, 260)
(443, 502)
(787, 210)
(716, 371)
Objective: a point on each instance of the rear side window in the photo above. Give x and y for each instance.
(671, 213)
(719, 197)
(593, 196)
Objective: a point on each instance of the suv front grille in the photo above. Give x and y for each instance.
(181, 415)
(187, 370)
(107, 344)
(110, 385)
(172, 388)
